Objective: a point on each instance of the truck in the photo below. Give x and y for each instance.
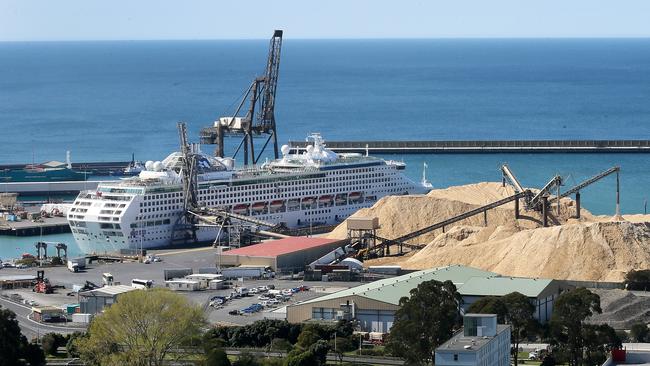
(76, 264)
(247, 272)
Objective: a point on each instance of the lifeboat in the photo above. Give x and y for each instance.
(341, 199)
(308, 200)
(277, 204)
(325, 199)
(259, 206)
(240, 209)
(293, 203)
(355, 196)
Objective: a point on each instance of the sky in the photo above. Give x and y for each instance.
(57, 20)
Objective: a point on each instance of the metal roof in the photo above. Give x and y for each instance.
(391, 290)
(469, 282)
(274, 248)
(501, 286)
(460, 343)
(108, 290)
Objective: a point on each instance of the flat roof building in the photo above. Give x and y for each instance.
(374, 304)
(481, 342)
(283, 255)
(94, 301)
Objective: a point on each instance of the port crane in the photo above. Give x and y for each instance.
(186, 224)
(260, 116)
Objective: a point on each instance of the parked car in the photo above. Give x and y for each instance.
(273, 301)
(287, 292)
(263, 297)
(262, 288)
(253, 290)
(234, 312)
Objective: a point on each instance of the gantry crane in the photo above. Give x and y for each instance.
(260, 117)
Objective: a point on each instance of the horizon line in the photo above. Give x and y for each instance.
(332, 39)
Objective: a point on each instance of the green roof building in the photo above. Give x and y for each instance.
(374, 304)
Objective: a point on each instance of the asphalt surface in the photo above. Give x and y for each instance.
(171, 259)
(33, 329)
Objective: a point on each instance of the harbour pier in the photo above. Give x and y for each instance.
(483, 146)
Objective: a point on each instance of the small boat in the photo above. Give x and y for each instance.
(277, 204)
(341, 199)
(355, 196)
(259, 206)
(308, 201)
(240, 209)
(325, 199)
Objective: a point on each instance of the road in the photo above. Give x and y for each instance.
(31, 328)
(330, 357)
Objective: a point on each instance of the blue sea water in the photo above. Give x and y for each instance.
(105, 100)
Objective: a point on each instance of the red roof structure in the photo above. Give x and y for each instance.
(274, 248)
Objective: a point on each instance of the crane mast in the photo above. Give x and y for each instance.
(260, 117)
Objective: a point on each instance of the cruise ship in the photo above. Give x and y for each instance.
(315, 187)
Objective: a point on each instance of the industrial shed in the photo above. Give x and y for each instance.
(94, 301)
(290, 254)
(542, 292)
(374, 304)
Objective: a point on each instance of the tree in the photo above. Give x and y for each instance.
(298, 357)
(246, 359)
(51, 342)
(141, 328)
(567, 321)
(71, 345)
(216, 357)
(519, 314)
(639, 332)
(490, 305)
(424, 321)
(599, 340)
(638, 280)
(14, 348)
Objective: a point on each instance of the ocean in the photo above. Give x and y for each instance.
(106, 100)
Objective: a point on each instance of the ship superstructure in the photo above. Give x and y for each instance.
(315, 187)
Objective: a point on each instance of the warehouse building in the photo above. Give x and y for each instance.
(374, 304)
(542, 292)
(94, 301)
(290, 254)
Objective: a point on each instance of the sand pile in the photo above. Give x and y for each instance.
(592, 248)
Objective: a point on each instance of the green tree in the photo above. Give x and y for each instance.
(568, 321)
(490, 305)
(246, 359)
(14, 348)
(298, 357)
(216, 357)
(51, 342)
(639, 332)
(141, 328)
(308, 336)
(638, 280)
(599, 340)
(519, 314)
(71, 345)
(424, 321)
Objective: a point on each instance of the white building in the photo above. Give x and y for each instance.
(481, 342)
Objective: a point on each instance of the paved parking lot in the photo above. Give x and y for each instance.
(190, 258)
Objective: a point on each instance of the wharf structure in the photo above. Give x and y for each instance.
(484, 146)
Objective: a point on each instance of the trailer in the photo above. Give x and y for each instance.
(247, 272)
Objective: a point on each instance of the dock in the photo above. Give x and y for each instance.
(483, 146)
(48, 188)
(50, 225)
